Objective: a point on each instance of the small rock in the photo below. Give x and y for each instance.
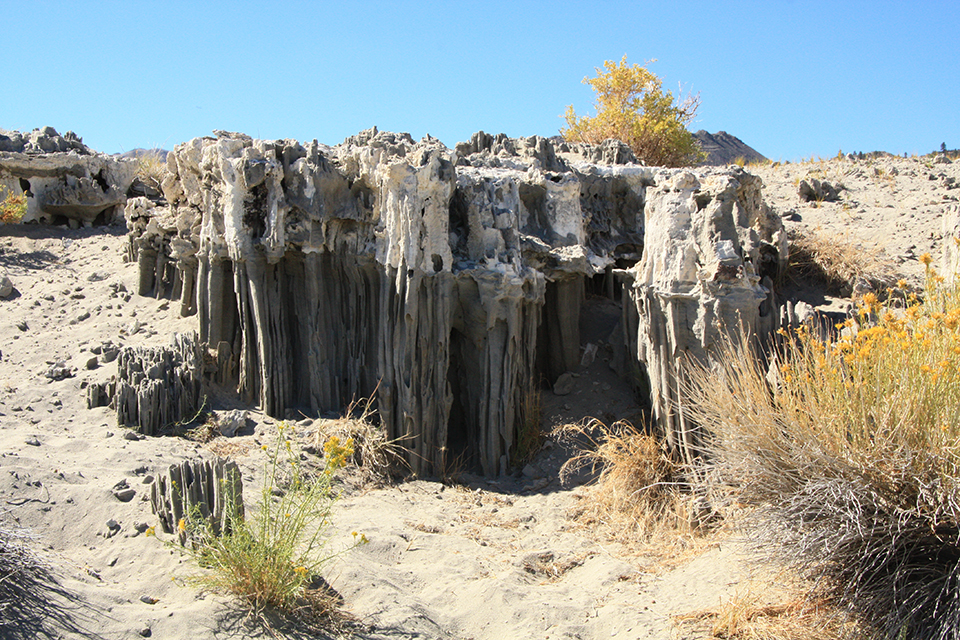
(589, 355)
(33, 442)
(113, 528)
(564, 385)
(124, 495)
(149, 600)
(133, 328)
(83, 316)
(129, 434)
(22, 325)
(93, 363)
(59, 371)
(231, 422)
(145, 632)
(6, 287)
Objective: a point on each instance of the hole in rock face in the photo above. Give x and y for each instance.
(437, 263)
(458, 218)
(459, 454)
(101, 181)
(703, 199)
(25, 186)
(255, 211)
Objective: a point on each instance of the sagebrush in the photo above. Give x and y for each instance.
(846, 448)
(272, 559)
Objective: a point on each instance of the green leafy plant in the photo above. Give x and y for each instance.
(272, 558)
(633, 107)
(12, 206)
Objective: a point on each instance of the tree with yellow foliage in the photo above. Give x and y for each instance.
(632, 106)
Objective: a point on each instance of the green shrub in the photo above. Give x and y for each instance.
(272, 559)
(850, 458)
(632, 106)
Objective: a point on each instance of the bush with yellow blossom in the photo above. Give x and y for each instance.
(847, 450)
(271, 558)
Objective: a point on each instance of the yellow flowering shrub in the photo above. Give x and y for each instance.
(846, 448)
(12, 207)
(270, 559)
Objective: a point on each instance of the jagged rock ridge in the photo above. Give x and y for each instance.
(722, 148)
(449, 282)
(63, 179)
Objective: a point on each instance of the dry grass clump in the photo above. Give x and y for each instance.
(836, 261)
(151, 169)
(530, 433)
(24, 579)
(641, 493)
(770, 611)
(851, 459)
(378, 458)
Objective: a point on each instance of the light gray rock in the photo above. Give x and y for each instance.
(564, 385)
(59, 371)
(230, 422)
(589, 355)
(814, 190)
(158, 386)
(210, 488)
(446, 282)
(711, 253)
(63, 178)
(6, 286)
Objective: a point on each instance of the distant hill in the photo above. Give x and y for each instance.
(722, 148)
(139, 153)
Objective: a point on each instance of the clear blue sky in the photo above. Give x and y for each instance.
(792, 79)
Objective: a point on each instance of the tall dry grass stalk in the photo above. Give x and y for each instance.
(25, 582)
(838, 262)
(850, 456)
(769, 611)
(378, 458)
(640, 493)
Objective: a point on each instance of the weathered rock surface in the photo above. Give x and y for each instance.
(209, 489)
(814, 190)
(448, 281)
(156, 386)
(721, 148)
(711, 252)
(63, 179)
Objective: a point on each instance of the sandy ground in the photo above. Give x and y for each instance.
(499, 558)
